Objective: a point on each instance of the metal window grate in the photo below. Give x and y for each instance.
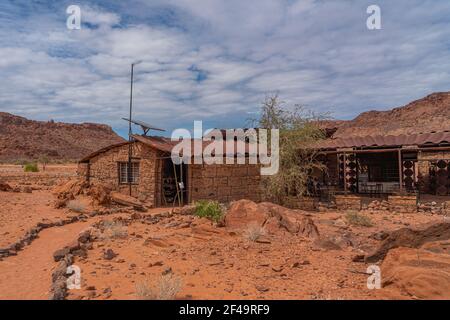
(123, 172)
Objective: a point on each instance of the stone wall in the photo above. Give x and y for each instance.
(103, 169)
(348, 202)
(303, 203)
(433, 155)
(224, 182)
(403, 203)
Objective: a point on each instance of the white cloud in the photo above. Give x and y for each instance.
(216, 60)
(95, 16)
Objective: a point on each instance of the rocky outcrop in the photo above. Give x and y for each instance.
(99, 193)
(418, 273)
(410, 238)
(431, 113)
(272, 217)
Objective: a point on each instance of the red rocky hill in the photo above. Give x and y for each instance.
(431, 113)
(23, 139)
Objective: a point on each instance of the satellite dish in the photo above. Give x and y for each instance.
(145, 126)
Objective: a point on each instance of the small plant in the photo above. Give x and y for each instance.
(254, 232)
(114, 230)
(76, 206)
(167, 288)
(31, 167)
(356, 219)
(209, 209)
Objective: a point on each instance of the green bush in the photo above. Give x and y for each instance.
(209, 209)
(356, 219)
(31, 167)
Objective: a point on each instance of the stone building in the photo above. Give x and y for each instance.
(157, 181)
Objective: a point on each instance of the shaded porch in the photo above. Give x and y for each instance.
(370, 173)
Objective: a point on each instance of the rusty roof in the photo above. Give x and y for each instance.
(166, 144)
(159, 143)
(99, 151)
(420, 139)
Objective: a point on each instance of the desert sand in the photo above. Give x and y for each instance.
(129, 253)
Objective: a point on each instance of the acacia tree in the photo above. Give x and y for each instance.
(299, 131)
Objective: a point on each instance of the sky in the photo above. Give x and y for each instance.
(216, 61)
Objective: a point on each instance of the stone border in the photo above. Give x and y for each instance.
(65, 256)
(33, 233)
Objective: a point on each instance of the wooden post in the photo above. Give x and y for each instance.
(400, 169)
(345, 172)
(181, 180)
(176, 185)
(338, 169)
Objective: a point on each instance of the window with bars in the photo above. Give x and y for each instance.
(123, 172)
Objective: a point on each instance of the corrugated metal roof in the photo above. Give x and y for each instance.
(159, 143)
(99, 151)
(420, 139)
(166, 144)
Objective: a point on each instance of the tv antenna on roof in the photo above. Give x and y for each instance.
(145, 126)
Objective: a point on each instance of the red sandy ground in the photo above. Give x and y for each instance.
(212, 263)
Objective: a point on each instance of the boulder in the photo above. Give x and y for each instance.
(126, 200)
(109, 254)
(417, 272)
(381, 235)
(5, 187)
(410, 238)
(244, 213)
(325, 244)
(60, 254)
(294, 221)
(84, 236)
(58, 289)
(186, 210)
(100, 194)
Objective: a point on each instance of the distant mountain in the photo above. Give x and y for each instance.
(431, 113)
(23, 139)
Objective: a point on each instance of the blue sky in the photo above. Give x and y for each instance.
(216, 60)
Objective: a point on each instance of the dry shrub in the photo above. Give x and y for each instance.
(167, 288)
(356, 219)
(114, 230)
(299, 132)
(76, 205)
(254, 232)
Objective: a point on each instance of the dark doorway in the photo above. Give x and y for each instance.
(174, 184)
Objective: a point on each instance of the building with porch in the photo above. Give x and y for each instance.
(382, 166)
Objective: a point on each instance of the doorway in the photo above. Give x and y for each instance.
(174, 184)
